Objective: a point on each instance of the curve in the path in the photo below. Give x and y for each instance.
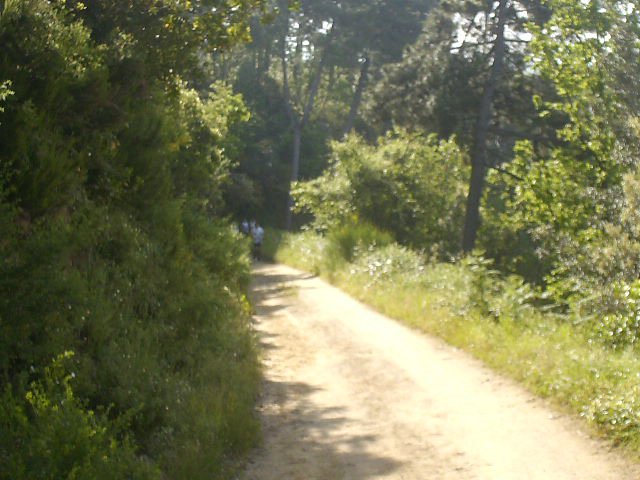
(351, 394)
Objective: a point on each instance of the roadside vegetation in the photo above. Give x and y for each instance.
(125, 349)
(501, 320)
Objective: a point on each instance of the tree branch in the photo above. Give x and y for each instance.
(293, 118)
(315, 85)
(506, 172)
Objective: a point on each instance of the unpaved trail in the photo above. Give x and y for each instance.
(350, 394)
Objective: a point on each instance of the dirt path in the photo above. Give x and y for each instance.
(350, 394)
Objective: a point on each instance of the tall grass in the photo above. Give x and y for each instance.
(498, 320)
(304, 250)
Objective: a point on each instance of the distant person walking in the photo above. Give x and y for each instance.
(244, 227)
(257, 233)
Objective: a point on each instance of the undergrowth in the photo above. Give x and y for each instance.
(501, 321)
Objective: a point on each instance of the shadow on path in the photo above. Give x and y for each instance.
(303, 438)
(305, 441)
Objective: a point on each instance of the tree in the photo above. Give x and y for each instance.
(566, 196)
(479, 161)
(407, 184)
(299, 106)
(375, 33)
(467, 75)
(321, 55)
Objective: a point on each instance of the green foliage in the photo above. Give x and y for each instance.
(262, 172)
(113, 245)
(303, 250)
(438, 85)
(545, 206)
(384, 262)
(334, 46)
(577, 37)
(484, 283)
(409, 185)
(5, 92)
(144, 327)
(49, 434)
(347, 242)
(432, 88)
(168, 36)
(512, 249)
(558, 217)
(617, 413)
(615, 317)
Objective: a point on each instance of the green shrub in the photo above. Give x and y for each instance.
(387, 262)
(494, 295)
(410, 185)
(618, 413)
(304, 251)
(161, 339)
(620, 326)
(113, 246)
(50, 434)
(349, 241)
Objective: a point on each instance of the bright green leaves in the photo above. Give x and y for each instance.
(621, 327)
(202, 143)
(566, 194)
(169, 35)
(410, 185)
(53, 32)
(49, 434)
(572, 50)
(5, 91)
(554, 192)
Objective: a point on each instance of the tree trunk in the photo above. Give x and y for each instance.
(479, 151)
(357, 96)
(297, 123)
(472, 217)
(295, 170)
(264, 60)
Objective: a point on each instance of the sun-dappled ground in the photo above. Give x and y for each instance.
(350, 394)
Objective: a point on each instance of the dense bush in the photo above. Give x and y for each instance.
(614, 317)
(50, 434)
(384, 262)
(113, 246)
(347, 242)
(408, 185)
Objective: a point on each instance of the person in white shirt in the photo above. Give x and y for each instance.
(258, 236)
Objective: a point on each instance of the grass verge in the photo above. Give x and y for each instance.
(495, 320)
